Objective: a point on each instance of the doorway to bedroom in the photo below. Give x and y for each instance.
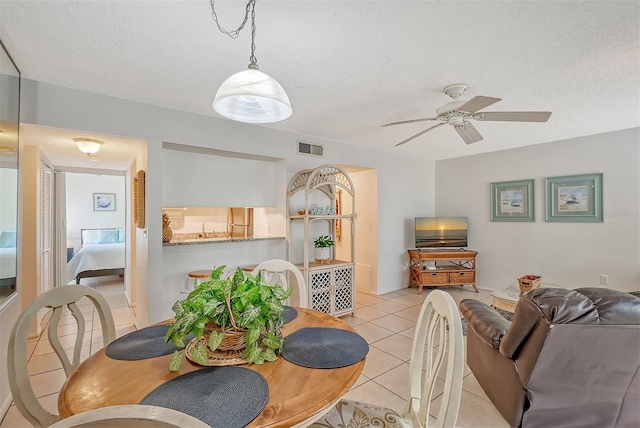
(94, 231)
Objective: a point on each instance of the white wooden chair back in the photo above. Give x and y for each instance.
(130, 416)
(56, 299)
(275, 271)
(439, 318)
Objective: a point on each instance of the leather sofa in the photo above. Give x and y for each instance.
(569, 358)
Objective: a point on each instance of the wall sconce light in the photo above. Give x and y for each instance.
(89, 146)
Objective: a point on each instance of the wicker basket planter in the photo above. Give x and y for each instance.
(528, 283)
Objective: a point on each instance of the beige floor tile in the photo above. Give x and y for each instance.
(474, 412)
(67, 329)
(396, 345)
(411, 299)
(379, 362)
(470, 383)
(361, 379)
(121, 316)
(372, 393)
(393, 323)
(14, 419)
(388, 307)
(368, 314)
(351, 320)
(47, 383)
(43, 363)
(50, 403)
(391, 295)
(410, 332)
(410, 313)
(397, 381)
(371, 332)
(367, 300)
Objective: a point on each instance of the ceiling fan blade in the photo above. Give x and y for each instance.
(419, 134)
(469, 133)
(409, 121)
(514, 116)
(478, 103)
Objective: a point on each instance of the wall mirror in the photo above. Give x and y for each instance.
(9, 127)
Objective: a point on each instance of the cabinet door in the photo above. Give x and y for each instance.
(344, 289)
(320, 290)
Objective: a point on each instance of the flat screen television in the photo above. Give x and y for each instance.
(437, 232)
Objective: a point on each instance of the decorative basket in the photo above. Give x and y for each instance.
(529, 282)
(229, 352)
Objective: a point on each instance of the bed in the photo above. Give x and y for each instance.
(7, 256)
(102, 253)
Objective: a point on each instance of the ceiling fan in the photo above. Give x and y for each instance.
(458, 114)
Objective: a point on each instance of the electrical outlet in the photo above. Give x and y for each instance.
(604, 279)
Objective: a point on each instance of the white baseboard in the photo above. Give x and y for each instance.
(5, 406)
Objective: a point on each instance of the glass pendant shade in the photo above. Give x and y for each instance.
(254, 97)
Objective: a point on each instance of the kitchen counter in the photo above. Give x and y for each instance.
(202, 241)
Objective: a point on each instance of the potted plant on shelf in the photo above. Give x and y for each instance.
(239, 312)
(323, 244)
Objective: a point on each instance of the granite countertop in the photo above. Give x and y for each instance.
(200, 241)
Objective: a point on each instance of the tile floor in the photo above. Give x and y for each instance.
(387, 323)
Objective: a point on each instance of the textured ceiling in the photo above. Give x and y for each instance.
(351, 66)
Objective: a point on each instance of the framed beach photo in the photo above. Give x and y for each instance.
(104, 201)
(575, 198)
(512, 201)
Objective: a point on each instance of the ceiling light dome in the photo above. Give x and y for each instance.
(88, 146)
(254, 97)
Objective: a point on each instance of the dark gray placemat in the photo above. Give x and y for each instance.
(142, 344)
(222, 397)
(289, 314)
(324, 348)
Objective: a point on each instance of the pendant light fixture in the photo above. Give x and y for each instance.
(250, 95)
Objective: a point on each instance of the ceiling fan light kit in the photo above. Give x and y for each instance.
(459, 113)
(250, 96)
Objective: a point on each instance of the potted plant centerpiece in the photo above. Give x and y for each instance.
(323, 244)
(230, 313)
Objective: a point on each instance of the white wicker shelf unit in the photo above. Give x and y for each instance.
(331, 285)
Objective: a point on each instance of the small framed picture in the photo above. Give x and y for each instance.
(512, 201)
(104, 201)
(574, 198)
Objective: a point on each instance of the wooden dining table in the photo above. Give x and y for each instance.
(297, 395)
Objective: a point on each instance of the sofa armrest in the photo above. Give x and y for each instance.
(485, 322)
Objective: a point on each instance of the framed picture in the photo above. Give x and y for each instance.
(512, 201)
(104, 201)
(575, 198)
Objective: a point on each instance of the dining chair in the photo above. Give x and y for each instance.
(57, 299)
(275, 271)
(439, 320)
(138, 416)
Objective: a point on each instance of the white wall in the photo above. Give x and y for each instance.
(568, 254)
(56, 106)
(80, 213)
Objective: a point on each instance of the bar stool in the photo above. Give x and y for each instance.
(198, 276)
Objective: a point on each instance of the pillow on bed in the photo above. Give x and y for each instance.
(90, 236)
(108, 236)
(121, 236)
(7, 239)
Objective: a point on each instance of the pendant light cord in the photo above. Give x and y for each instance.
(251, 6)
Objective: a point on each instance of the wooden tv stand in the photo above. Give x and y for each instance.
(452, 267)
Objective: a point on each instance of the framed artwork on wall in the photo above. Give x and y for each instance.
(574, 198)
(512, 201)
(104, 201)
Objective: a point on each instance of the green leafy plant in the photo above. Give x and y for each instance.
(241, 302)
(323, 241)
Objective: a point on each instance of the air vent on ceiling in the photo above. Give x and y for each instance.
(309, 149)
